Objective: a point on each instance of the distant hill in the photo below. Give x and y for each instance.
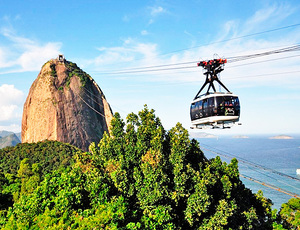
(281, 137)
(19, 136)
(4, 133)
(240, 137)
(201, 135)
(51, 155)
(10, 140)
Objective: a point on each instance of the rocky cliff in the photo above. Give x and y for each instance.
(65, 104)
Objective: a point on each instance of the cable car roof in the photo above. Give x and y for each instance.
(215, 94)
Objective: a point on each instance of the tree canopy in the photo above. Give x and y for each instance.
(138, 177)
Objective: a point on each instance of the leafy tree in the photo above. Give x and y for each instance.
(23, 167)
(5, 198)
(289, 215)
(50, 155)
(138, 177)
(169, 184)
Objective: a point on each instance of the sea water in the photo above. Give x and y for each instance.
(263, 159)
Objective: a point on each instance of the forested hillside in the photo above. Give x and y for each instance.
(139, 177)
(50, 155)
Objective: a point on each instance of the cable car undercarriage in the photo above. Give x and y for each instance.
(214, 109)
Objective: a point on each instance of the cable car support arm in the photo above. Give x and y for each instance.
(213, 68)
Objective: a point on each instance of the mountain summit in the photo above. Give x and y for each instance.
(65, 104)
(9, 140)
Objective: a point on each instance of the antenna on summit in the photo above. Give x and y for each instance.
(61, 58)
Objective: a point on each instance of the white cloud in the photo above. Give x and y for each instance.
(9, 94)
(23, 54)
(144, 32)
(154, 11)
(124, 55)
(134, 54)
(10, 102)
(4, 53)
(151, 21)
(35, 56)
(12, 128)
(268, 16)
(7, 112)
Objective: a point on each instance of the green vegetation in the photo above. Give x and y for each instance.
(24, 166)
(289, 215)
(138, 177)
(53, 70)
(74, 70)
(51, 155)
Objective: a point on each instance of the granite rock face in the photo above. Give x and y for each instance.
(65, 104)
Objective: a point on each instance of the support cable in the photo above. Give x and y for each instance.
(92, 97)
(251, 163)
(235, 38)
(271, 177)
(167, 67)
(90, 106)
(271, 186)
(258, 181)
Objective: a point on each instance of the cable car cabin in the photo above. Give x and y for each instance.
(215, 109)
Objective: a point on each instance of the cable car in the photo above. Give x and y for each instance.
(214, 109)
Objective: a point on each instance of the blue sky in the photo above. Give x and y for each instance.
(103, 37)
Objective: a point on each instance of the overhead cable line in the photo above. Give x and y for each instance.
(92, 97)
(271, 177)
(193, 82)
(226, 40)
(188, 67)
(237, 58)
(90, 106)
(234, 38)
(149, 70)
(249, 162)
(154, 66)
(266, 74)
(271, 186)
(258, 181)
(274, 59)
(250, 56)
(95, 102)
(169, 67)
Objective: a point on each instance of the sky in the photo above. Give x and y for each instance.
(111, 39)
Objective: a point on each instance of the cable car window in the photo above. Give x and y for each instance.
(220, 101)
(205, 104)
(236, 101)
(193, 111)
(193, 106)
(199, 105)
(227, 101)
(210, 102)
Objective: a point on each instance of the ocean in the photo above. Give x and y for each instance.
(270, 161)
